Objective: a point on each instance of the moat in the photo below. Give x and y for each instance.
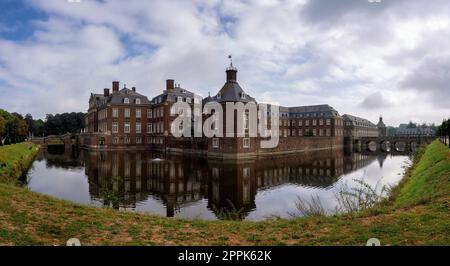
(197, 188)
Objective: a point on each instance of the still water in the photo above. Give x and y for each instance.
(197, 188)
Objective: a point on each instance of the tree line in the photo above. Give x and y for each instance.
(16, 128)
(443, 131)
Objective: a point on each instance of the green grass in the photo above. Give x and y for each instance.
(15, 160)
(417, 213)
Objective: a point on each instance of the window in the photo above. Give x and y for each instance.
(246, 142)
(321, 132)
(196, 100)
(138, 128)
(242, 95)
(127, 140)
(138, 101)
(307, 122)
(127, 112)
(300, 123)
(246, 120)
(115, 112)
(126, 100)
(162, 111)
(149, 113)
(149, 128)
(215, 143)
(314, 122)
(188, 100)
(328, 122)
(138, 140)
(138, 113)
(126, 128)
(116, 140)
(300, 132)
(179, 99)
(320, 122)
(219, 95)
(115, 128)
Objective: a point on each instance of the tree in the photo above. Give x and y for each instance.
(2, 129)
(31, 124)
(411, 125)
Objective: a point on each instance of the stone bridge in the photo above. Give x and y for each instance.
(67, 140)
(392, 143)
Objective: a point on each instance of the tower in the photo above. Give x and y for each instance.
(382, 129)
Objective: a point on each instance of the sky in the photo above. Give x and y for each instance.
(362, 57)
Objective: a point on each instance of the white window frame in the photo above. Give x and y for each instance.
(126, 127)
(149, 127)
(246, 142)
(115, 127)
(115, 112)
(127, 112)
(215, 143)
(138, 113)
(138, 101)
(138, 127)
(126, 100)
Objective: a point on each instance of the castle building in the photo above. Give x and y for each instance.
(118, 119)
(357, 127)
(126, 119)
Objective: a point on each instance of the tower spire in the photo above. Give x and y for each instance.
(231, 60)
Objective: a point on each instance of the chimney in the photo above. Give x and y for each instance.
(134, 89)
(231, 74)
(115, 86)
(170, 84)
(106, 92)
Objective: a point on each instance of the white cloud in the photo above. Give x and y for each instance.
(343, 53)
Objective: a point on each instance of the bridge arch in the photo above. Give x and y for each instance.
(400, 145)
(371, 145)
(385, 145)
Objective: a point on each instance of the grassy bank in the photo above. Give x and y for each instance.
(417, 213)
(15, 160)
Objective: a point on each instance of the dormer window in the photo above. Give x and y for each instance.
(219, 95)
(138, 101)
(126, 100)
(242, 95)
(179, 99)
(188, 100)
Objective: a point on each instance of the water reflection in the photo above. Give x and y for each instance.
(201, 188)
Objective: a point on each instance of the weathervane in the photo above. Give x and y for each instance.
(231, 60)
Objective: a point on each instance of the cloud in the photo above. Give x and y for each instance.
(350, 54)
(375, 101)
(432, 79)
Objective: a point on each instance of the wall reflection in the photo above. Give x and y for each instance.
(123, 179)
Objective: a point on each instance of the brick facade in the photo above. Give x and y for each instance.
(125, 119)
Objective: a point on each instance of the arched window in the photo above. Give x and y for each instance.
(126, 100)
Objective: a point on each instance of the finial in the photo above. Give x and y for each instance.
(231, 60)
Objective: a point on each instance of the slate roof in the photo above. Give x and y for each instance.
(321, 110)
(416, 131)
(231, 92)
(118, 97)
(357, 121)
(173, 94)
(381, 123)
